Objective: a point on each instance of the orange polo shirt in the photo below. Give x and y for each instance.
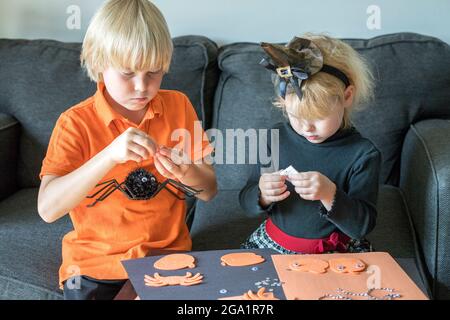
(118, 228)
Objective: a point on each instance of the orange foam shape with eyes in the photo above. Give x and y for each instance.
(347, 265)
(309, 265)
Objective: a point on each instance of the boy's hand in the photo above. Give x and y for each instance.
(273, 188)
(173, 164)
(314, 186)
(133, 144)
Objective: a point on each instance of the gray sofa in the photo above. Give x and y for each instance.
(408, 121)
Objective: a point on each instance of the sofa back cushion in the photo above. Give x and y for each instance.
(40, 79)
(412, 75)
(243, 101)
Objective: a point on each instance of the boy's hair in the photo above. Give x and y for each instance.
(322, 91)
(126, 35)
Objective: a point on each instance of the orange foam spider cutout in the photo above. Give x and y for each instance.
(160, 281)
(260, 295)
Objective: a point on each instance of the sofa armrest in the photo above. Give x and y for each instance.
(9, 149)
(425, 182)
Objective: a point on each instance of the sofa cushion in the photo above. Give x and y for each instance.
(392, 232)
(194, 71)
(42, 78)
(30, 249)
(221, 223)
(406, 66)
(425, 181)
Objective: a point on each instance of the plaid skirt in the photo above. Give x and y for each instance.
(259, 239)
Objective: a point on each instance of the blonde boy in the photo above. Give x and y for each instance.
(126, 125)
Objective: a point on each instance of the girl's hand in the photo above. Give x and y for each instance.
(133, 144)
(314, 186)
(273, 188)
(173, 164)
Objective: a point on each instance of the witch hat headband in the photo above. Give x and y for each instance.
(296, 62)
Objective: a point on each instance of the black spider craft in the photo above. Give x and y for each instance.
(141, 185)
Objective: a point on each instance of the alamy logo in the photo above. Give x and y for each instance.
(73, 22)
(231, 146)
(374, 280)
(374, 19)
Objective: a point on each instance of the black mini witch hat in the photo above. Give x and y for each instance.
(296, 62)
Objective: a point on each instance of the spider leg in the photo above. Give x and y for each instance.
(189, 191)
(108, 184)
(123, 187)
(164, 186)
(174, 193)
(109, 189)
(108, 192)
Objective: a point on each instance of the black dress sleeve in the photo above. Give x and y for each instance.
(354, 212)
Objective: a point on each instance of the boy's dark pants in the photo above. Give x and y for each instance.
(87, 288)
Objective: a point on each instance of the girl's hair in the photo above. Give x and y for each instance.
(126, 35)
(322, 91)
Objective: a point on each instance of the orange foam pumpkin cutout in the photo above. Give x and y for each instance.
(309, 265)
(347, 265)
(175, 261)
(241, 259)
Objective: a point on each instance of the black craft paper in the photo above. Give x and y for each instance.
(218, 282)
